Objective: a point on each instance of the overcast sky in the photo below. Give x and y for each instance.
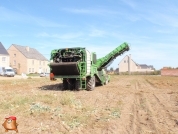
(149, 26)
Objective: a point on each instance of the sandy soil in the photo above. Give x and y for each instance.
(127, 105)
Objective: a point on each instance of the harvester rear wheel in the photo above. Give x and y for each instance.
(71, 83)
(91, 83)
(77, 85)
(65, 84)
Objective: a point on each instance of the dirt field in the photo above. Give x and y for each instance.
(127, 105)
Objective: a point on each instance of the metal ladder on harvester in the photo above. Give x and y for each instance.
(82, 70)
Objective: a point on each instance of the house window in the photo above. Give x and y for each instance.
(29, 70)
(3, 58)
(14, 55)
(43, 63)
(14, 62)
(124, 61)
(33, 70)
(32, 62)
(40, 62)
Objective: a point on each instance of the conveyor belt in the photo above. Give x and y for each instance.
(65, 68)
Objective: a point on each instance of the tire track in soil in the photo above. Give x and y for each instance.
(160, 115)
(135, 119)
(135, 126)
(148, 119)
(144, 111)
(148, 114)
(168, 119)
(140, 121)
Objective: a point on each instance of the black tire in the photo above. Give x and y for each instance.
(77, 85)
(65, 84)
(91, 83)
(71, 84)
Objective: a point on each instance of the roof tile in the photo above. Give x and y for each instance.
(3, 51)
(31, 54)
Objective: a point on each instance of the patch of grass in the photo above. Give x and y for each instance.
(87, 109)
(47, 98)
(35, 74)
(109, 113)
(115, 112)
(5, 106)
(56, 112)
(67, 98)
(78, 104)
(15, 101)
(75, 120)
(21, 100)
(39, 108)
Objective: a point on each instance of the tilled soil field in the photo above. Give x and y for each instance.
(127, 105)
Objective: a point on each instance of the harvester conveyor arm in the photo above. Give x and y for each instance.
(104, 61)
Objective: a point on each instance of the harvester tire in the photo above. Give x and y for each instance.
(91, 83)
(65, 84)
(77, 85)
(71, 84)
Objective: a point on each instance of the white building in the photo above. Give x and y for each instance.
(4, 57)
(128, 65)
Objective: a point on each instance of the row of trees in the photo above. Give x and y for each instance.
(170, 67)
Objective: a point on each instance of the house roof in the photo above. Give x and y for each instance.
(131, 59)
(3, 51)
(144, 66)
(31, 54)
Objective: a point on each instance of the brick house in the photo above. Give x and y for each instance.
(128, 65)
(27, 60)
(4, 56)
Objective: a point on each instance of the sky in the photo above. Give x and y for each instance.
(150, 27)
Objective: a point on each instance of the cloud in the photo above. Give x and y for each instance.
(94, 32)
(162, 19)
(9, 15)
(129, 3)
(60, 36)
(94, 11)
(45, 23)
(8, 35)
(153, 51)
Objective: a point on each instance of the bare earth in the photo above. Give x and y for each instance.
(127, 105)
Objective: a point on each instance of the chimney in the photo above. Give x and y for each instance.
(27, 48)
(129, 64)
